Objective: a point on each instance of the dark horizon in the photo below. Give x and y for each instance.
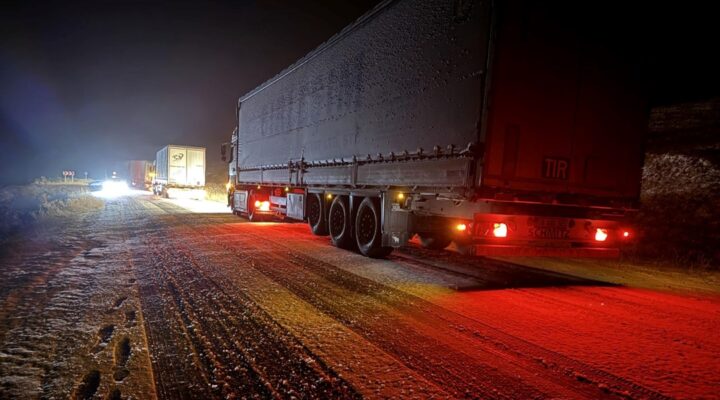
(86, 86)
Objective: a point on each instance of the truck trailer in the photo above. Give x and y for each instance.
(141, 174)
(509, 127)
(180, 172)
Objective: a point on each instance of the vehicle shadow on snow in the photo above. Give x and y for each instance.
(446, 268)
(480, 273)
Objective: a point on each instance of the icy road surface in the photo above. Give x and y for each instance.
(147, 299)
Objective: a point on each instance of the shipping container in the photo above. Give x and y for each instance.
(179, 169)
(510, 127)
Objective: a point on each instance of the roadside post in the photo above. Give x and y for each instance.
(69, 173)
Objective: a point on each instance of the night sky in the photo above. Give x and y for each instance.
(84, 86)
(87, 85)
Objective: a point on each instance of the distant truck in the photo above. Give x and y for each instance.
(180, 172)
(509, 127)
(141, 174)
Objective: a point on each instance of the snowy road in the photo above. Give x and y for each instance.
(149, 300)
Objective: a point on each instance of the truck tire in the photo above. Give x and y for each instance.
(368, 234)
(434, 241)
(339, 225)
(315, 215)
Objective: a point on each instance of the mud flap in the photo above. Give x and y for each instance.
(296, 206)
(240, 201)
(396, 223)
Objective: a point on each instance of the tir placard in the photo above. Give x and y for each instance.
(555, 168)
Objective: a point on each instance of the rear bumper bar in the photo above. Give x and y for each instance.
(529, 251)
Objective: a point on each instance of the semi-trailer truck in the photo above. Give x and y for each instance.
(180, 172)
(141, 173)
(509, 127)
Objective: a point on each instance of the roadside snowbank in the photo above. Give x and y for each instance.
(23, 205)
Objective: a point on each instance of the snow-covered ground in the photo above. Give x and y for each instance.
(149, 297)
(201, 206)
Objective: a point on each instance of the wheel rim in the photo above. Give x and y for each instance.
(366, 226)
(337, 221)
(313, 210)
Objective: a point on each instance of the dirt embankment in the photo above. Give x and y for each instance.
(680, 211)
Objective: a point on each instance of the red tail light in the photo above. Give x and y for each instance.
(500, 230)
(262, 205)
(601, 235)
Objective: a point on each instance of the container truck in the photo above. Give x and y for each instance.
(180, 172)
(509, 127)
(141, 174)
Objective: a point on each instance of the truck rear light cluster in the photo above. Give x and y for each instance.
(500, 230)
(601, 234)
(262, 205)
(461, 227)
(490, 229)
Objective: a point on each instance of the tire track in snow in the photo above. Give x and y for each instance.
(368, 367)
(231, 331)
(370, 309)
(598, 382)
(461, 380)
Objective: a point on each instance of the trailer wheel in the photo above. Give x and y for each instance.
(316, 218)
(368, 235)
(434, 241)
(339, 225)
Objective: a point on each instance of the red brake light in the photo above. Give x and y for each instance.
(461, 227)
(601, 234)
